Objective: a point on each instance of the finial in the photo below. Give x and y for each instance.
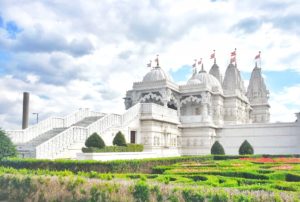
(202, 68)
(157, 61)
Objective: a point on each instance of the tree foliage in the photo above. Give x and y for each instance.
(246, 148)
(119, 139)
(95, 141)
(217, 149)
(7, 149)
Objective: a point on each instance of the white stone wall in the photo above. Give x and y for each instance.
(269, 138)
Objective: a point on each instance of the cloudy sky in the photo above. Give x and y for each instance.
(73, 54)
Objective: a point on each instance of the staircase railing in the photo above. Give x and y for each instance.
(54, 146)
(22, 136)
(130, 114)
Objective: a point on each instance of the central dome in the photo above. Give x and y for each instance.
(156, 74)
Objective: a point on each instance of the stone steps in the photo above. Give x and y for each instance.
(87, 121)
(28, 149)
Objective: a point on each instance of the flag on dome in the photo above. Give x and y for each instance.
(149, 64)
(257, 56)
(212, 56)
(233, 53)
(200, 61)
(194, 65)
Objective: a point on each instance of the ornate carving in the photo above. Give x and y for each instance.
(190, 98)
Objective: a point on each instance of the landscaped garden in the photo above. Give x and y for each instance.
(195, 178)
(189, 178)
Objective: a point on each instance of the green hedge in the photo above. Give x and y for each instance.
(116, 166)
(128, 148)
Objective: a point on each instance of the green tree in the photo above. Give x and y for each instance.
(7, 149)
(217, 149)
(246, 148)
(95, 141)
(119, 139)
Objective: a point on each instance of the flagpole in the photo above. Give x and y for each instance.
(259, 60)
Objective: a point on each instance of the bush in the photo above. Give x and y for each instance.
(217, 149)
(292, 177)
(141, 192)
(246, 148)
(7, 149)
(128, 148)
(193, 196)
(119, 140)
(95, 141)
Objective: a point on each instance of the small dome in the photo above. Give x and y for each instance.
(207, 80)
(156, 74)
(211, 82)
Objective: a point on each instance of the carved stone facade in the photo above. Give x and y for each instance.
(204, 104)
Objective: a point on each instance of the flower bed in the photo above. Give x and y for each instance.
(272, 160)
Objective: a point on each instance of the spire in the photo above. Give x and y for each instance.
(257, 92)
(202, 68)
(233, 82)
(258, 96)
(215, 71)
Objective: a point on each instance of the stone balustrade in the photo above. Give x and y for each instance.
(155, 111)
(23, 136)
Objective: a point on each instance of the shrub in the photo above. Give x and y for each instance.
(141, 192)
(119, 140)
(95, 141)
(7, 149)
(292, 177)
(189, 195)
(217, 149)
(129, 148)
(246, 148)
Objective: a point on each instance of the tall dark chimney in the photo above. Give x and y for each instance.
(25, 117)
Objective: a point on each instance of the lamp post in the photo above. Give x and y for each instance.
(37, 117)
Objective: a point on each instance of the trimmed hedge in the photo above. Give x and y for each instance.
(119, 139)
(95, 141)
(217, 149)
(117, 166)
(246, 148)
(128, 148)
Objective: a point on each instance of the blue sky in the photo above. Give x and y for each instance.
(88, 53)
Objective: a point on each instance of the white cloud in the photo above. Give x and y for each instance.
(88, 53)
(285, 104)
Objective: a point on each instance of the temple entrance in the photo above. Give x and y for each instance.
(132, 137)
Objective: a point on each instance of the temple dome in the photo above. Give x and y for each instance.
(156, 74)
(208, 80)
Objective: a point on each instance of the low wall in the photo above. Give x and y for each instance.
(270, 138)
(108, 156)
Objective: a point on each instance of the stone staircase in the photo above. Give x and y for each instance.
(63, 137)
(27, 150)
(87, 121)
